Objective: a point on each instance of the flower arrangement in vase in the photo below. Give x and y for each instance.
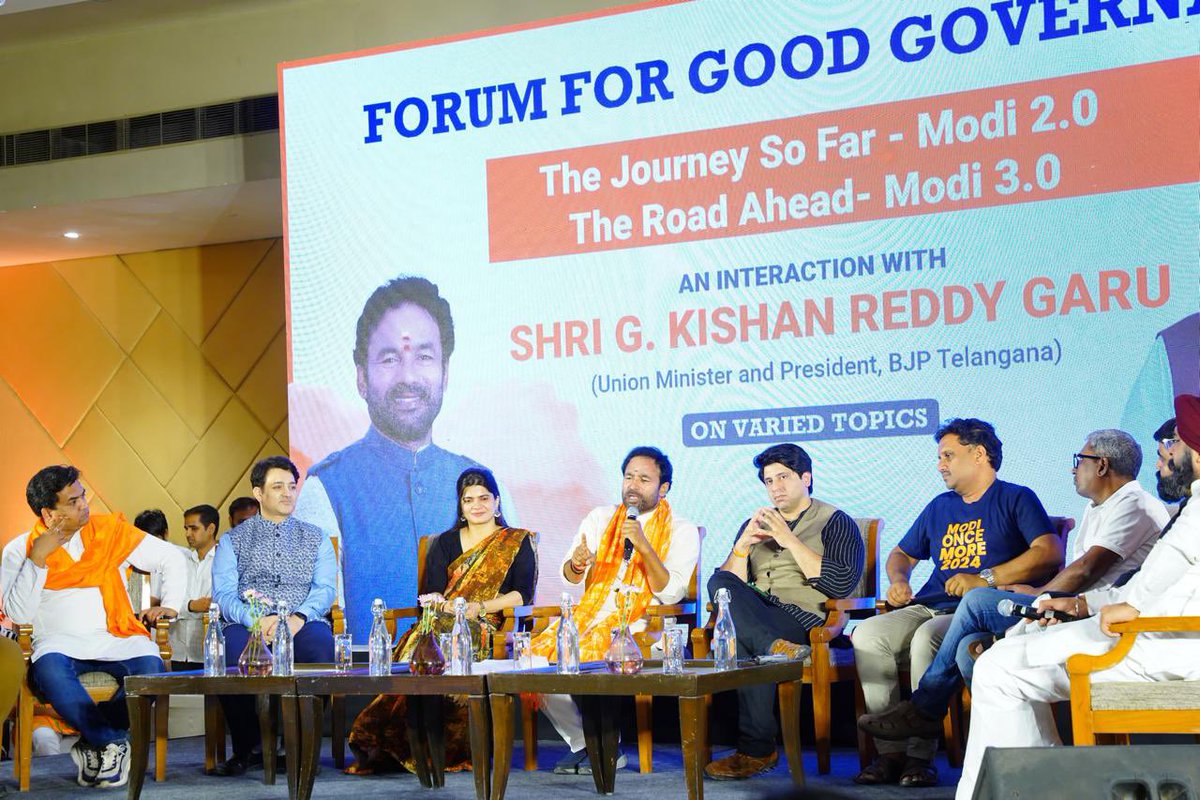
(427, 657)
(624, 656)
(255, 660)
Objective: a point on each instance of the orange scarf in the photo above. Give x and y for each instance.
(595, 633)
(107, 542)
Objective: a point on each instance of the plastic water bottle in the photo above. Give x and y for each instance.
(461, 647)
(568, 640)
(214, 644)
(282, 650)
(379, 645)
(724, 635)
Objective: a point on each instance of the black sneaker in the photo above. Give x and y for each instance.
(87, 762)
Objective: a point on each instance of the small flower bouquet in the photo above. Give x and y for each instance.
(427, 657)
(255, 660)
(624, 656)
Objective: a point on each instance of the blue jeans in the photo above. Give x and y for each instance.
(313, 644)
(55, 678)
(976, 617)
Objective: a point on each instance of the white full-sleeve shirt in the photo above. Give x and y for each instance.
(73, 622)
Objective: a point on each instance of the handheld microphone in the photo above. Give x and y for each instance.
(631, 512)
(1010, 609)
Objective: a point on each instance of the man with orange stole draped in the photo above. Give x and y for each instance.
(662, 558)
(66, 578)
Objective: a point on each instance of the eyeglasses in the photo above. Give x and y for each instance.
(1167, 444)
(1080, 456)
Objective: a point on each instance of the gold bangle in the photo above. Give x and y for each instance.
(740, 555)
(575, 569)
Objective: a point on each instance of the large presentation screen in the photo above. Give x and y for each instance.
(713, 226)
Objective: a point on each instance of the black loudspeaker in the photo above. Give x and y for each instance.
(1140, 772)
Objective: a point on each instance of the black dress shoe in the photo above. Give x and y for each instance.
(237, 765)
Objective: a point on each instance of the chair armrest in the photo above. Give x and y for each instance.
(672, 610)
(852, 604)
(162, 636)
(1082, 664)
(25, 640)
(337, 619)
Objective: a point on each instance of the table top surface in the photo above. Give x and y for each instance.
(698, 678)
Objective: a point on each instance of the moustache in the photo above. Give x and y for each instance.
(410, 389)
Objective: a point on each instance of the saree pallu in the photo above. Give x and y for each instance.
(379, 737)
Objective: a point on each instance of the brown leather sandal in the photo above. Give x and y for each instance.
(885, 769)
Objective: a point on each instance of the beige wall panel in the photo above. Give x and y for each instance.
(250, 323)
(55, 354)
(115, 472)
(27, 448)
(242, 487)
(195, 285)
(176, 368)
(146, 421)
(212, 468)
(113, 294)
(260, 390)
(281, 433)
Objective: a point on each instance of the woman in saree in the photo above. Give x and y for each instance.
(492, 567)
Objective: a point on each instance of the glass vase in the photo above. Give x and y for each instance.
(624, 657)
(427, 657)
(255, 660)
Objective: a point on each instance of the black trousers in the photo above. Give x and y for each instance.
(759, 622)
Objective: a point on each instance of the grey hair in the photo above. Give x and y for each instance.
(1122, 450)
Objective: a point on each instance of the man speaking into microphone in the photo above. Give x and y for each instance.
(642, 544)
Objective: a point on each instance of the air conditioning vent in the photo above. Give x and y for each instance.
(249, 115)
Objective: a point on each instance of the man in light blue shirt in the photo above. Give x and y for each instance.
(284, 560)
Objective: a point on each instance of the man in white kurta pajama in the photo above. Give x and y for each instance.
(1016, 680)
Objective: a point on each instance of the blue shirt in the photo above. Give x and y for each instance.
(291, 561)
(968, 537)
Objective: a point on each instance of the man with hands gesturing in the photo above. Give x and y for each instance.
(66, 578)
(788, 559)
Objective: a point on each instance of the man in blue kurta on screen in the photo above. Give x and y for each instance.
(394, 485)
(982, 532)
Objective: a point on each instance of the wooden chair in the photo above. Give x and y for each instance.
(100, 687)
(1117, 708)
(957, 721)
(828, 665)
(643, 704)
(392, 617)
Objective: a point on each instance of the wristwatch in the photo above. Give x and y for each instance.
(988, 576)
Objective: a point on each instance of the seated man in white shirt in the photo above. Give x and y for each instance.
(64, 577)
(640, 543)
(154, 522)
(200, 525)
(1017, 680)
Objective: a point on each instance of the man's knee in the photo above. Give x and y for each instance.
(870, 635)
(145, 665)
(723, 579)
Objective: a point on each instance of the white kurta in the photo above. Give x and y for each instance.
(73, 621)
(1017, 679)
(187, 632)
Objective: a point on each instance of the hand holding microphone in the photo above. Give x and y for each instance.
(1010, 609)
(631, 514)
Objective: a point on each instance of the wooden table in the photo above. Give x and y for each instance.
(425, 727)
(595, 684)
(280, 693)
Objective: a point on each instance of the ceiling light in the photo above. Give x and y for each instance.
(71, 234)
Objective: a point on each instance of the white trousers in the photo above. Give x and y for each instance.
(564, 715)
(1016, 681)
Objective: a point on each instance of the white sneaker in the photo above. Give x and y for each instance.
(114, 765)
(87, 760)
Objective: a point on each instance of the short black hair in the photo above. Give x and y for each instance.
(258, 475)
(43, 488)
(665, 472)
(153, 521)
(242, 503)
(404, 290)
(792, 456)
(1165, 431)
(972, 431)
(207, 514)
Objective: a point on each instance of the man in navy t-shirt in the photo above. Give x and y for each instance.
(983, 532)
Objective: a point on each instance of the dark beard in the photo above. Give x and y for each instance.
(1174, 487)
(405, 428)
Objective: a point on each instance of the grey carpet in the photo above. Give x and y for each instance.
(53, 777)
